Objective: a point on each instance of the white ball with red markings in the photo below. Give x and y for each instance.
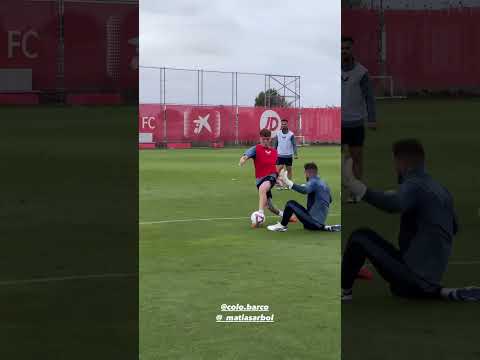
(257, 218)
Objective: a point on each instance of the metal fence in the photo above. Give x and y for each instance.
(164, 85)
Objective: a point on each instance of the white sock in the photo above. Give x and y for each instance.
(261, 211)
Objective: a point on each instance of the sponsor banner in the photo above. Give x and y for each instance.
(253, 119)
(201, 124)
(28, 40)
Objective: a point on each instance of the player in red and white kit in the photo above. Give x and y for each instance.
(265, 159)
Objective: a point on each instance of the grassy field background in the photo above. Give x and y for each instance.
(68, 210)
(376, 325)
(188, 269)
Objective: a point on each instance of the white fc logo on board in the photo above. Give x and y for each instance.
(21, 40)
(270, 120)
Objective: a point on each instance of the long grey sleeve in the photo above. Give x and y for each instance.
(304, 189)
(367, 91)
(392, 202)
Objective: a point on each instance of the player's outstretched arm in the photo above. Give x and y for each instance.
(243, 160)
(388, 201)
(249, 154)
(304, 189)
(392, 201)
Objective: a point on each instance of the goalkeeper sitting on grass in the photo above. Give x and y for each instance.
(427, 226)
(319, 199)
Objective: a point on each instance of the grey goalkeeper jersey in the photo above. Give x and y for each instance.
(319, 198)
(427, 225)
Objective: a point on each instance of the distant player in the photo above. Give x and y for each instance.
(286, 147)
(312, 217)
(358, 107)
(265, 158)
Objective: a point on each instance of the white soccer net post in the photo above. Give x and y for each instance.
(384, 87)
(300, 140)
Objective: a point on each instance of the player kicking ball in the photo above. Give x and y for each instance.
(319, 199)
(265, 159)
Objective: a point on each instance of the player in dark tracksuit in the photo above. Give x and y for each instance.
(427, 226)
(312, 217)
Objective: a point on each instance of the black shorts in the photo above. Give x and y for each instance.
(272, 181)
(285, 161)
(354, 136)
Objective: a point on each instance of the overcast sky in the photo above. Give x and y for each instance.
(293, 37)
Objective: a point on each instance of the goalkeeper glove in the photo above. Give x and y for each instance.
(284, 178)
(355, 186)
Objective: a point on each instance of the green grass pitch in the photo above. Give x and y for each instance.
(375, 324)
(188, 269)
(68, 209)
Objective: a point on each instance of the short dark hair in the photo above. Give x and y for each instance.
(284, 120)
(311, 166)
(347, 38)
(265, 133)
(409, 149)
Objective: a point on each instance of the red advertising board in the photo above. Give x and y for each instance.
(432, 49)
(29, 38)
(150, 121)
(425, 49)
(252, 119)
(321, 125)
(199, 123)
(208, 124)
(108, 36)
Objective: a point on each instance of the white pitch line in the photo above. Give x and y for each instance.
(67, 278)
(124, 275)
(205, 219)
(189, 220)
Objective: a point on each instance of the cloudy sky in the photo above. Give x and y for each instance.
(292, 37)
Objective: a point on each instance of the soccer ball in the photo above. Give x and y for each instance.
(257, 218)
